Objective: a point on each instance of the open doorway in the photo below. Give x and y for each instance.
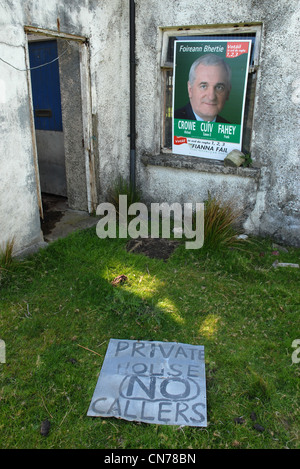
(61, 115)
(46, 96)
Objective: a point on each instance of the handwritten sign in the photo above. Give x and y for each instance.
(152, 382)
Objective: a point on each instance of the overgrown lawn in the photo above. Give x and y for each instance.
(58, 311)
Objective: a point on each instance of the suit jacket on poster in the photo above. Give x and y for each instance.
(186, 112)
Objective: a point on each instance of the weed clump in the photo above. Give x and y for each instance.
(6, 258)
(220, 224)
(122, 187)
(6, 254)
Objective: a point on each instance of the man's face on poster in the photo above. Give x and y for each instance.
(209, 91)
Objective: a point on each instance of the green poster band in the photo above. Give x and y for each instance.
(216, 131)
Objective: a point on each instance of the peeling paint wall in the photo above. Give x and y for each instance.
(105, 26)
(272, 205)
(19, 214)
(269, 197)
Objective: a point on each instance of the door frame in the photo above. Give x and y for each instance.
(86, 97)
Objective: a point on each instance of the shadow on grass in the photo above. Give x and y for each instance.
(59, 310)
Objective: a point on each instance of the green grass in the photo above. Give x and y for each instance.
(245, 313)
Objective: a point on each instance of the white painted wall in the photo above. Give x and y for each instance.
(19, 214)
(273, 206)
(105, 25)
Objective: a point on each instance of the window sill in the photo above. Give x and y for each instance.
(193, 163)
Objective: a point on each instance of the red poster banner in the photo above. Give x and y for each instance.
(234, 49)
(179, 140)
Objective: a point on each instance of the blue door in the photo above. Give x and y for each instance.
(45, 85)
(46, 98)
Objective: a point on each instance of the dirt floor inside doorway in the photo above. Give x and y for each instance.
(60, 220)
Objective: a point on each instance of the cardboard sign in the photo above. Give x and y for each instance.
(152, 382)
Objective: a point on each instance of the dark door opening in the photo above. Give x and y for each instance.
(48, 116)
(54, 207)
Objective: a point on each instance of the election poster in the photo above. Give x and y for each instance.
(152, 382)
(210, 82)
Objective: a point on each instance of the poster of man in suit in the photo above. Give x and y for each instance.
(210, 82)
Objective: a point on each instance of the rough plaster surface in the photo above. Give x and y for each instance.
(103, 25)
(69, 70)
(19, 215)
(275, 200)
(163, 180)
(271, 203)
